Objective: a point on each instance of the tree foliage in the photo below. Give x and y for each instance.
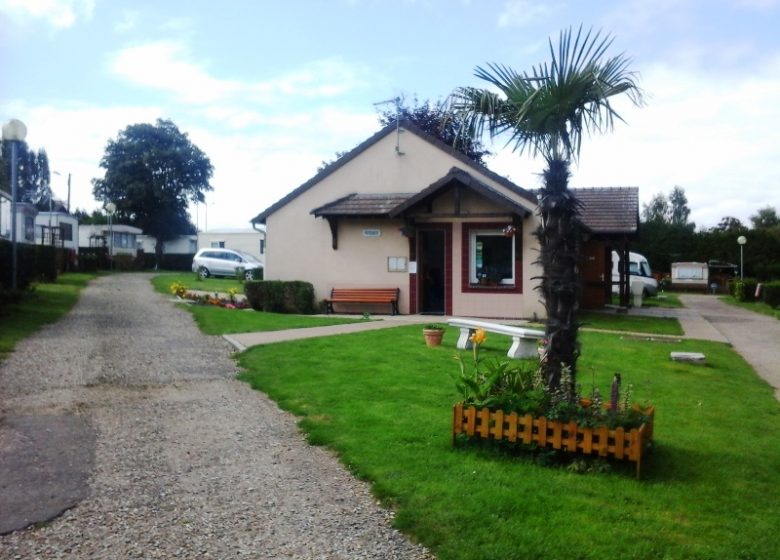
(664, 243)
(152, 173)
(547, 112)
(96, 217)
(765, 218)
(673, 210)
(32, 172)
(436, 120)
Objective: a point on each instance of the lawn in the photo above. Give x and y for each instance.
(382, 400)
(612, 321)
(43, 305)
(218, 320)
(163, 282)
(755, 306)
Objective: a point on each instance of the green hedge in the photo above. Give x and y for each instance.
(771, 292)
(743, 290)
(34, 262)
(280, 297)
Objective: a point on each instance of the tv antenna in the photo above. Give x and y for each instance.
(397, 102)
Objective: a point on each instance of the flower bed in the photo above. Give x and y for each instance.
(509, 401)
(619, 443)
(229, 302)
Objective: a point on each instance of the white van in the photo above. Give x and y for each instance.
(639, 270)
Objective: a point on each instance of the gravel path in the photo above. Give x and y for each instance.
(187, 462)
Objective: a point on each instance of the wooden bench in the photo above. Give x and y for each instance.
(524, 340)
(363, 295)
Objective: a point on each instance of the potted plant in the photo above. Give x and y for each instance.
(433, 333)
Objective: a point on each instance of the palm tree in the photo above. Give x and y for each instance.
(547, 112)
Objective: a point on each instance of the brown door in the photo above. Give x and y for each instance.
(595, 275)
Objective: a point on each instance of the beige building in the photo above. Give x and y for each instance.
(405, 210)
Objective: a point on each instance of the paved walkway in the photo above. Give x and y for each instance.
(756, 337)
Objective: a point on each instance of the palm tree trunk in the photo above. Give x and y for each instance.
(559, 240)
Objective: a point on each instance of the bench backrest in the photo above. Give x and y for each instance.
(382, 294)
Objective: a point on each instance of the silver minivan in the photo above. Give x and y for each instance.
(224, 262)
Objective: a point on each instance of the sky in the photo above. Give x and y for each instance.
(269, 89)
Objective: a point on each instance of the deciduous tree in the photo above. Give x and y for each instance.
(152, 173)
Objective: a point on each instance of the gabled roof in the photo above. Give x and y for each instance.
(392, 205)
(362, 204)
(610, 210)
(391, 129)
(457, 175)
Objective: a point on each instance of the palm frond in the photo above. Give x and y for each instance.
(549, 109)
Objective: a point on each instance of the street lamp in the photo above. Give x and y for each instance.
(110, 210)
(14, 131)
(741, 240)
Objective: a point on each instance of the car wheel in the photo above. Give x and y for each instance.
(203, 272)
(249, 275)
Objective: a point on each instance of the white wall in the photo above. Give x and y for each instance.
(249, 241)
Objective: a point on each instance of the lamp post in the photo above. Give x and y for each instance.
(110, 210)
(741, 240)
(14, 131)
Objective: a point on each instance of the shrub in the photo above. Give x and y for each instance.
(771, 292)
(280, 297)
(34, 262)
(743, 290)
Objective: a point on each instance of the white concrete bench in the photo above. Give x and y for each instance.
(524, 341)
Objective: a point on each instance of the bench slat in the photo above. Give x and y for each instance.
(364, 295)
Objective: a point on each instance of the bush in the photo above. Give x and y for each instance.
(280, 297)
(34, 262)
(743, 290)
(771, 292)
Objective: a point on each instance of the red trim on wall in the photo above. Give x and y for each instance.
(468, 287)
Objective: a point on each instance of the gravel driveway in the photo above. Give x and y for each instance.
(163, 454)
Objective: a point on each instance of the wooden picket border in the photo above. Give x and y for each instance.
(618, 443)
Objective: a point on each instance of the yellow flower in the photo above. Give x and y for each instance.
(478, 337)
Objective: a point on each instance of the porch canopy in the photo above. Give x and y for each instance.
(399, 205)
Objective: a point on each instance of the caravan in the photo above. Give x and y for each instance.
(639, 270)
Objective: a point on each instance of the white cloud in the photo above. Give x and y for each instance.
(59, 14)
(75, 138)
(717, 139)
(519, 13)
(129, 21)
(163, 65)
(170, 67)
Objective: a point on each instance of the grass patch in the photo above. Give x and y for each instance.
(382, 400)
(630, 323)
(162, 283)
(45, 304)
(218, 320)
(662, 300)
(754, 306)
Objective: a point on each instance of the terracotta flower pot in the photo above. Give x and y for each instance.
(433, 336)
